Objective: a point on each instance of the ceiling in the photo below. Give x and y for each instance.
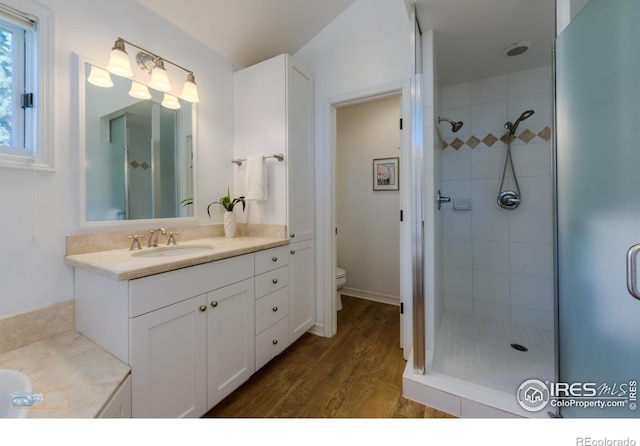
(250, 31)
(469, 34)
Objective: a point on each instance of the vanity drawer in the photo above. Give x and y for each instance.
(160, 290)
(271, 308)
(271, 281)
(272, 342)
(271, 259)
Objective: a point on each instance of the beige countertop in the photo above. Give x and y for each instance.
(75, 376)
(120, 264)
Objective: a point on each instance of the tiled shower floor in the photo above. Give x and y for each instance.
(478, 351)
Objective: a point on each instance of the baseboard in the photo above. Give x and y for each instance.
(317, 329)
(370, 295)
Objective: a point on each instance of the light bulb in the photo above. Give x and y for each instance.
(159, 77)
(99, 77)
(190, 90)
(119, 60)
(139, 91)
(170, 101)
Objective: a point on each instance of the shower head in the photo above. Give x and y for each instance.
(455, 125)
(513, 126)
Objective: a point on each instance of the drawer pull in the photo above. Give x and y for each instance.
(275, 259)
(292, 235)
(293, 251)
(274, 309)
(274, 342)
(214, 303)
(274, 281)
(203, 308)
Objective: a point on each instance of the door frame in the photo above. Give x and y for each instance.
(329, 219)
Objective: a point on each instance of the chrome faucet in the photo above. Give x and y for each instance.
(153, 238)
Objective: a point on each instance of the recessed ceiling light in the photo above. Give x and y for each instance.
(516, 49)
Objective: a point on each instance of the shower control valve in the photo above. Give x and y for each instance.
(508, 199)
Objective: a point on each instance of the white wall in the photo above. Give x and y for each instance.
(361, 52)
(498, 263)
(44, 205)
(368, 220)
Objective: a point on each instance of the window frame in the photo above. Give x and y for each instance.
(39, 132)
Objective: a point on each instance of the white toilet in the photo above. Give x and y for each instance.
(341, 280)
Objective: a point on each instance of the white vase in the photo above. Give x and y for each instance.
(229, 224)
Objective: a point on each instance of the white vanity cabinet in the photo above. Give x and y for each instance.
(271, 304)
(187, 334)
(230, 339)
(302, 302)
(193, 335)
(300, 159)
(273, 113)
(168, 360)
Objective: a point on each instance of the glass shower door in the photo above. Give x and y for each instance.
(598, 209)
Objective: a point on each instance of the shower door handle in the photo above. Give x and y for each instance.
(632, 283)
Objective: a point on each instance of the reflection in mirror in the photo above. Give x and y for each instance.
(138, 154)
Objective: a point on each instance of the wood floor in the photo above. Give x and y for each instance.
(355, 374)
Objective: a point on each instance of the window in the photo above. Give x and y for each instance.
(25, 86)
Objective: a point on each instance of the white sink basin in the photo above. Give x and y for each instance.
(15, 394)
(172, 251)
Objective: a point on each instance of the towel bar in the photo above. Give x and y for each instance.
(278, 156)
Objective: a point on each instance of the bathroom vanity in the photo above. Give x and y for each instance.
(195, 325)
(192, 335)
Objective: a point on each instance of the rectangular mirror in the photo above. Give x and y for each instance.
(136, 156)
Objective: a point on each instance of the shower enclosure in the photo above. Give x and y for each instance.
(547, 291)
(488, 275)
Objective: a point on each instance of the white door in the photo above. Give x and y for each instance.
(230, 339)
(168, 348)
(302, 303)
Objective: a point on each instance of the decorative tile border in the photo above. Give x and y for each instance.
(136, 164)
(489, 140)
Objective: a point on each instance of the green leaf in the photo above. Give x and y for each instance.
(227, 203)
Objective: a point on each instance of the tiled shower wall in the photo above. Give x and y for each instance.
(498, 264)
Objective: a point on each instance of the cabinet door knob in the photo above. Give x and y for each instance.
(274, 342)
(293, 251)
(214, 303)
(275, 309)
(203, 308)
(292, 235)
(275, 259)
(275, 281)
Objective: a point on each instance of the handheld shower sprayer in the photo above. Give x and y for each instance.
(512, 126)
(455, 125)
(511, 199)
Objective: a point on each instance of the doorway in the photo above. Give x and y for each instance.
(367, 222)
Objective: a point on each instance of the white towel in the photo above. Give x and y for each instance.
(255, 188)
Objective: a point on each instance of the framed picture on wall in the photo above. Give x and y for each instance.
(386, 174)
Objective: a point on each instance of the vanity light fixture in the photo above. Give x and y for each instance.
(190, 90)
(100, 77)
(170, 101)
(159, 77)
(139, 91)
(119, 60)
(153, 63)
